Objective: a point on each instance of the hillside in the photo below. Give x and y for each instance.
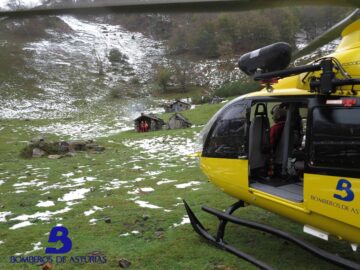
(97, 73)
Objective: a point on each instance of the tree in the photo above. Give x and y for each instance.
(254, 30)
(183, 71)
(162, 77)
(15, 4)
(204, 41)
(286, 22)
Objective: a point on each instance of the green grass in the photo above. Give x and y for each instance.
(198, 116)
(158, 245)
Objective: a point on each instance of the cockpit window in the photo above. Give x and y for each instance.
(335, 138)
(228, 135)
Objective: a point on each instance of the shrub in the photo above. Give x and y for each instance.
(236, 88)
(115, 56)
(162, 78)
(199, 100)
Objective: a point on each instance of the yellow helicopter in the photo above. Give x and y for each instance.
(292, 148)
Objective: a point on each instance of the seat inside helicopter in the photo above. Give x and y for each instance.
(277, 148)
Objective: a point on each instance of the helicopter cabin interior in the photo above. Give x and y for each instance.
(283, 139)
(277, 133)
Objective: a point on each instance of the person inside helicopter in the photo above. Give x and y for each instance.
(275, 153)
(279, 116)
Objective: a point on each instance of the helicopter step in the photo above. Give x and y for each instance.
(225, 217)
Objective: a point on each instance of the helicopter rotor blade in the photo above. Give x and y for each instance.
(331, 34)
(166, 6)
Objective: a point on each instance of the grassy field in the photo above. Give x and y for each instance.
(126, 203)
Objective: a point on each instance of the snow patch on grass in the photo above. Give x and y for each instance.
(37, 246)
(21, 225)
(3, 216)
(141, 190)
(185, 220)
(93, 210)
(165, 181)
(189, 184)
(74, 195)
(114, 184)
(45, 204)
(41, 215)
(146, 205)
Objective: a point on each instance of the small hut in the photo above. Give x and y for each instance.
(177, 106)
(152, 123)
(178, 121)
(216, 100)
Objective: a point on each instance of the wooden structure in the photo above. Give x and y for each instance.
(216, 100)
(148, 122)
(177, 106)
(178, 121)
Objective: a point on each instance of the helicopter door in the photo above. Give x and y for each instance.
(224, 158)
(332, 179)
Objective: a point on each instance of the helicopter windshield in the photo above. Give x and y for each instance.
(205, 131)
(227, 134)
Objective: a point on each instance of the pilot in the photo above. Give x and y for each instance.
(279, 116)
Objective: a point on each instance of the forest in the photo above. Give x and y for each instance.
(214, 35)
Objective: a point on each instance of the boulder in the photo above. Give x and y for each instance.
(54, 156)
(37, 152)
(124, 263)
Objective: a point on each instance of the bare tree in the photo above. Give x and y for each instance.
(183, 73)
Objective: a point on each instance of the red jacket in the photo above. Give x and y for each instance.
(275, 134)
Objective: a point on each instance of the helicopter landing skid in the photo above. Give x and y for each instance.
(225, 217)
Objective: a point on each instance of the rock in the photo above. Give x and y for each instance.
(37, 139)
(79, 145)
(39, 147)
(54, 156)
(124, 263)
(46, 266)
(99, 148)
(63, 147)
(159, 234)
(107, 220)
(37, 152)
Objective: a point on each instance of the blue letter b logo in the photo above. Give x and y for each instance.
(63, 238)
(344, 185)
